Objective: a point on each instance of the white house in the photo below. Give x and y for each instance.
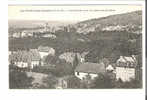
(45, 51)
(35, 58)
(91, 69)
(24, 34)
(21, 64)
(109, 68)
(125, 68)
(51, 36)
(24, 59)
(16, 35)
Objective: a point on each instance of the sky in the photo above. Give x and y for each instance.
(66, 13)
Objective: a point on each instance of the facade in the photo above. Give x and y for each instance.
(35, 58)
(21, 64)
(89, 69)
(25, 59)
(16, 35)
(34, 63)
(126, 68)
(125, 74)
(62, 84)
(51, 36)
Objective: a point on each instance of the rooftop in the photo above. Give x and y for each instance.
(88, 67)
(44, 48)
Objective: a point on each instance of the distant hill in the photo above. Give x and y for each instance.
(33, 23)
(130, 19)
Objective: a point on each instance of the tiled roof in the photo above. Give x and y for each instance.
(94, 68)
(25, 56)
(44, 48)
(69, 56)
(126, 59)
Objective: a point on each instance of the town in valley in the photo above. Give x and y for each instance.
(100, 53)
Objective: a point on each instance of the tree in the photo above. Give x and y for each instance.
(51, 59)
(63, 68)
(50, 82)
(103, 81)
(19, 80)
(133, 83)
(75, 62)
(73, 82)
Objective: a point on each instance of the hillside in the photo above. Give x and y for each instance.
(130, 19)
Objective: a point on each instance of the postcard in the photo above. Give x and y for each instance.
(75, 46)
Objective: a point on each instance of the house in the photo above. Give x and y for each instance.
(109, 68)
(24, 59)
(51, 36)
(35, 58)
(21, 64)
(24, 34)
(16, 35)
(126, 68)
(20, 59)
(61, 84)
(91, 69)
(111, 71)
(45, 51)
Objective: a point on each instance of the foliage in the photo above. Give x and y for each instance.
(75, 62)
(63, 68)
(73, 82)
(19, 80)
(133, 83)
(51, 59)
(50, 82)
(103, 81)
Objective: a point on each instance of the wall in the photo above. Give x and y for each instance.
(34, 63)
(83, 75)
(21, 64)
(125, 73)
(42, 54)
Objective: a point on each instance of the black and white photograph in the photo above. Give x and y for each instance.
(75, 46)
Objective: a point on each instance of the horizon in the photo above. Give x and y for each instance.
(61, 13)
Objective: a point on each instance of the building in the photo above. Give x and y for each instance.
(62, 83)
(21, 64)
(51, 36)
(109, 68)
(20, 59)
(45, 51)
(126, 68)
(24, 59)
(111, 72)
(16, 35)
(35, 58)
(91, 69)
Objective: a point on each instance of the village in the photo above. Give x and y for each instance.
(43, 60)
(91, 54)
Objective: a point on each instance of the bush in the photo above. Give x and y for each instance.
(73, 82)
(103, 81)
(63, 69)
(133, 83)
(50, 82)
(19, 80)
